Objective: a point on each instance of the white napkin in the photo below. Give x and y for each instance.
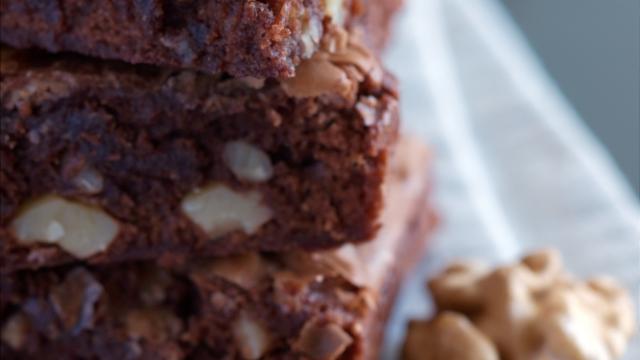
(515, 168)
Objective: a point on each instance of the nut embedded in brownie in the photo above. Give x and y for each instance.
(163, 163)
(325, 305)
(238, 37)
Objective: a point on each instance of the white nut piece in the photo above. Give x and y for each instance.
(535, 310)
(448, 336)
(218, 210)
(79, 229)
(247, 161)
(250, 336)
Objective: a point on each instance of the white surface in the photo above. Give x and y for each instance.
(515, 167)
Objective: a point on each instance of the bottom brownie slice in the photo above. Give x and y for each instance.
(323, 305)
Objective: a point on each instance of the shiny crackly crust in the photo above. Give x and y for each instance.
(155, 135)
(141, 310)
(239, 37)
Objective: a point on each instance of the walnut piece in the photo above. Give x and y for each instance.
(252, 82)
(344, 261)
(535, 310)
(449, 336)
(338, 68)
(79, 229)
(247, 161)
(218, 210)
(310, 36)
(155, 283)
(245, 271)
(251, 337)
(318, 76)
(14, 331)
(75, 299)
(322, 341)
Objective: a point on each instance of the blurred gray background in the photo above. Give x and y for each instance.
(592, 49)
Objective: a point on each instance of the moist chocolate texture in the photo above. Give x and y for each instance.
(105, 161)
(238, 37)
(326, 305)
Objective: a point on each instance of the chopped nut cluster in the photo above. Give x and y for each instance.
(530, 310)
(79, 229)
(340, 65)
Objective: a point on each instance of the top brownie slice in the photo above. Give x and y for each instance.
(265, 38)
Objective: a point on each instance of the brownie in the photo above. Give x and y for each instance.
(324, 305)
(106, 161)
(265, 38)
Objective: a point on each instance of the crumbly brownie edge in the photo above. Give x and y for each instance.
(238, 37)
(241, 38)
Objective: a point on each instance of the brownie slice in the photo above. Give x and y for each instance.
(265, 38)
(107, 161)
(324, 305)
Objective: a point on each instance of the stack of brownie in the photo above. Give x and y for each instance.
(202, 179)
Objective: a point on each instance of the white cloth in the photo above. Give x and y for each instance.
(515, 167)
